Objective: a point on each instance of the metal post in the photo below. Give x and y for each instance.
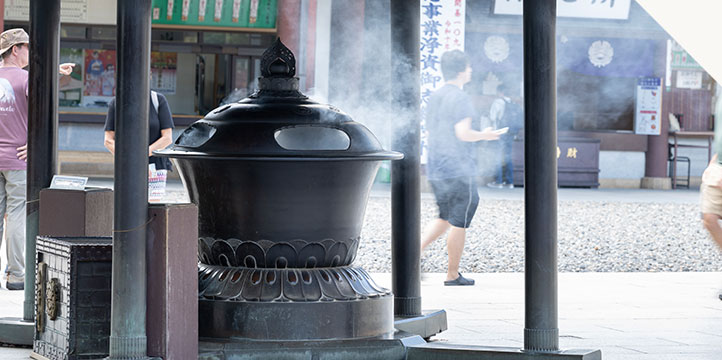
(405, 174)
(541, 333)
(42, 126)
(127, 326)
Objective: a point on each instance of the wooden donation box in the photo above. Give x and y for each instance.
(577, 162)
(87, 212)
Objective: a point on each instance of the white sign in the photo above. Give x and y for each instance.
(648, 109)
(595, 9)
(68, 182)
(689, 79)
(71, 11)
(442, 30)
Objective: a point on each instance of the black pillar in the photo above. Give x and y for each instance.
(42, 126)
(541, 333)
(127, 328)
(405, 190)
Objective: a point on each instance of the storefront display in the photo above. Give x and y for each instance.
(99, 84)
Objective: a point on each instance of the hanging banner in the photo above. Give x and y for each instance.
(215, 13)
(99, 85)
(442, 30)
(593, 9)
(163, 72)
(648, 109)
(602, 56)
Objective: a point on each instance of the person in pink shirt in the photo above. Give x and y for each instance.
(14, 51)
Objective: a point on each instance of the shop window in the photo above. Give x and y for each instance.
(214, 38)
(174, 36)
(102, 33)
(237, 39)
(72, 32)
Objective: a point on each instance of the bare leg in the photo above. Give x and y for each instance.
(455, 246)
(711, 223)
(433, 231)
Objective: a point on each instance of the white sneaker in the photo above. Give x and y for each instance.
(15, 282)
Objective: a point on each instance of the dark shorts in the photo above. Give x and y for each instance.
(457, 199)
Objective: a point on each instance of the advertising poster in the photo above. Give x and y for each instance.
(71, 86)
(215, 13)
(163, 72)
(99, 77)
(647, 114)
(442, 30)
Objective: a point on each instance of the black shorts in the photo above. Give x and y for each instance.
(457, 199)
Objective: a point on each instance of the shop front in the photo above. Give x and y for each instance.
(604, 51)
(203, 53)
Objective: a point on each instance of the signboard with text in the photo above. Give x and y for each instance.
(215, 13)
(594, 9)
(71, 11)
(648, 107)
(442, 30)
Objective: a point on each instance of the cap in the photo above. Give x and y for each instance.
(12, 37)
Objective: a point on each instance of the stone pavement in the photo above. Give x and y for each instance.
(640, 316)
(629, 316)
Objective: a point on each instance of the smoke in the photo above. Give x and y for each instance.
(596, 71)
(360, 74)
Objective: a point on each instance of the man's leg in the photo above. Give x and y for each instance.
(455, 246)
(433, 231)
(508, 167)
(15, 187)
(711, 223)
(3, 218)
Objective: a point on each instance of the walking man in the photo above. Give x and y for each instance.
(14, 51)
(452, 160)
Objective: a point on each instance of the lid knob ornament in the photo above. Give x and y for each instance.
(278, 61)
(278, 70)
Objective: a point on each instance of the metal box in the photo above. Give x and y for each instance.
(72, 297)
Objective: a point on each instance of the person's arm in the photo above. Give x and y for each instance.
(109, 141)
(464, 132)
(166, 137)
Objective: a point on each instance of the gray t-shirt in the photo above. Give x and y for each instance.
(449, 157)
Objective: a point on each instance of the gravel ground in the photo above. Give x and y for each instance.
(593, 236)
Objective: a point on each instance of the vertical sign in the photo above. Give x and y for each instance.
(647, 113)
(442, 29)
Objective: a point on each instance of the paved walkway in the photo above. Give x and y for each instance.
(629, 316)
(640, 316)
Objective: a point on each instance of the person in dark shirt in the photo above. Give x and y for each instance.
(160, 129)
(451, 167)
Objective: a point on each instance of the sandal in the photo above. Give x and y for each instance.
(460, 281)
